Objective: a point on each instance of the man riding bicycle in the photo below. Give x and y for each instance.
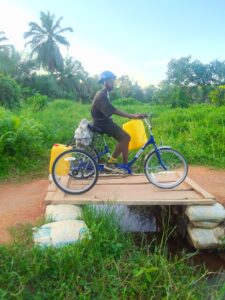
(102, 111)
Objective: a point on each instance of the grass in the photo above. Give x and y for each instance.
(110, 265)
(198, 132)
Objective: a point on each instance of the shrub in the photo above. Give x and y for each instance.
(9, 91)
(126, 101)
(45, 85)
(37, 101)
(217, 96)
(21, 144)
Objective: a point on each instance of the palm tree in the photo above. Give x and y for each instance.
(44, 41)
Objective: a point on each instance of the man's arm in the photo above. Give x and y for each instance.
(130, 116)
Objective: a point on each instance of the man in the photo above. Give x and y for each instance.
(102, 111)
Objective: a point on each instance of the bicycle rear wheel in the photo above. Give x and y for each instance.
(75, 171)
(165, 169)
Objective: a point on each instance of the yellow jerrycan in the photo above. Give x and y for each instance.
(136, 130)
(63, 166)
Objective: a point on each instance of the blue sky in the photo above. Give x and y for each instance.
(136, 37)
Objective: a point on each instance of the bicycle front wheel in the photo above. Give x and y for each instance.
(75, 171)
(166, 168)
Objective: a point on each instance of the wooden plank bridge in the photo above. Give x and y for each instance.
(132, 190)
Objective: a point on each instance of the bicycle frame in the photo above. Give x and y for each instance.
(127, 166)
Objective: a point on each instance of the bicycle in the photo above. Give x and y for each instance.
(164, 167)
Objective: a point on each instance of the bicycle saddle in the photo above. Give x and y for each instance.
(94, 128)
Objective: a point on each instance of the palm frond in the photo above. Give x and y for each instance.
(61, 39)
(57, 24)
(70, 29)
(47, 21)
(36, 27)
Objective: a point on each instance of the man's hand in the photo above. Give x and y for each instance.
(140, 116)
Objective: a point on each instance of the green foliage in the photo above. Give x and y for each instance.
(9, 91)
(37, 102)
(198, 131)
(126, 102)
(110, 265)
(217, 95)
(45, 85)
(184, 72)
(21, 144)
(10, 61)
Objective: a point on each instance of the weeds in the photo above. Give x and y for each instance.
(27, 135)
(108, 266)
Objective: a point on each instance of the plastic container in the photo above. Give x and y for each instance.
(63, 166)
(136, 130)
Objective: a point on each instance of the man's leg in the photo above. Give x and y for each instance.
(123, 140)
(122, 147)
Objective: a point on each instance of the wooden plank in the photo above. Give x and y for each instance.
(133, 191)
(135, 202)
(125, 193)
(49, 197)
(59, 194)
(198, 189)
(52, 187)
(133, 180)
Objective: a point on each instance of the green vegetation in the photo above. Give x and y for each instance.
(108, 266)
(28, 134)
(10, 91)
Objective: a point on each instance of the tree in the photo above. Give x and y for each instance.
(217, 70)
(9, 91)
(45, 40)
(9, 61)
(179, 71)
(217, 96)
(3, 38)
(149, 93)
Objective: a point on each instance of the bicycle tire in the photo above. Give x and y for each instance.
(57, 177)
(152, 164)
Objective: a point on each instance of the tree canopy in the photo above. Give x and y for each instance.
(45, 39)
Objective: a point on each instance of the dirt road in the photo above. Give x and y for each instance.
(23, 203)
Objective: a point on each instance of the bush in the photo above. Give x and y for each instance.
(126, 101)
(45, 85)
(21, 144)
(37, 101)
(9, 91)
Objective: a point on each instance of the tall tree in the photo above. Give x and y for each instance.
(45, 40)
(3, 38)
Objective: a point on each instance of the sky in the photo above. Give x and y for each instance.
(133, 37)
